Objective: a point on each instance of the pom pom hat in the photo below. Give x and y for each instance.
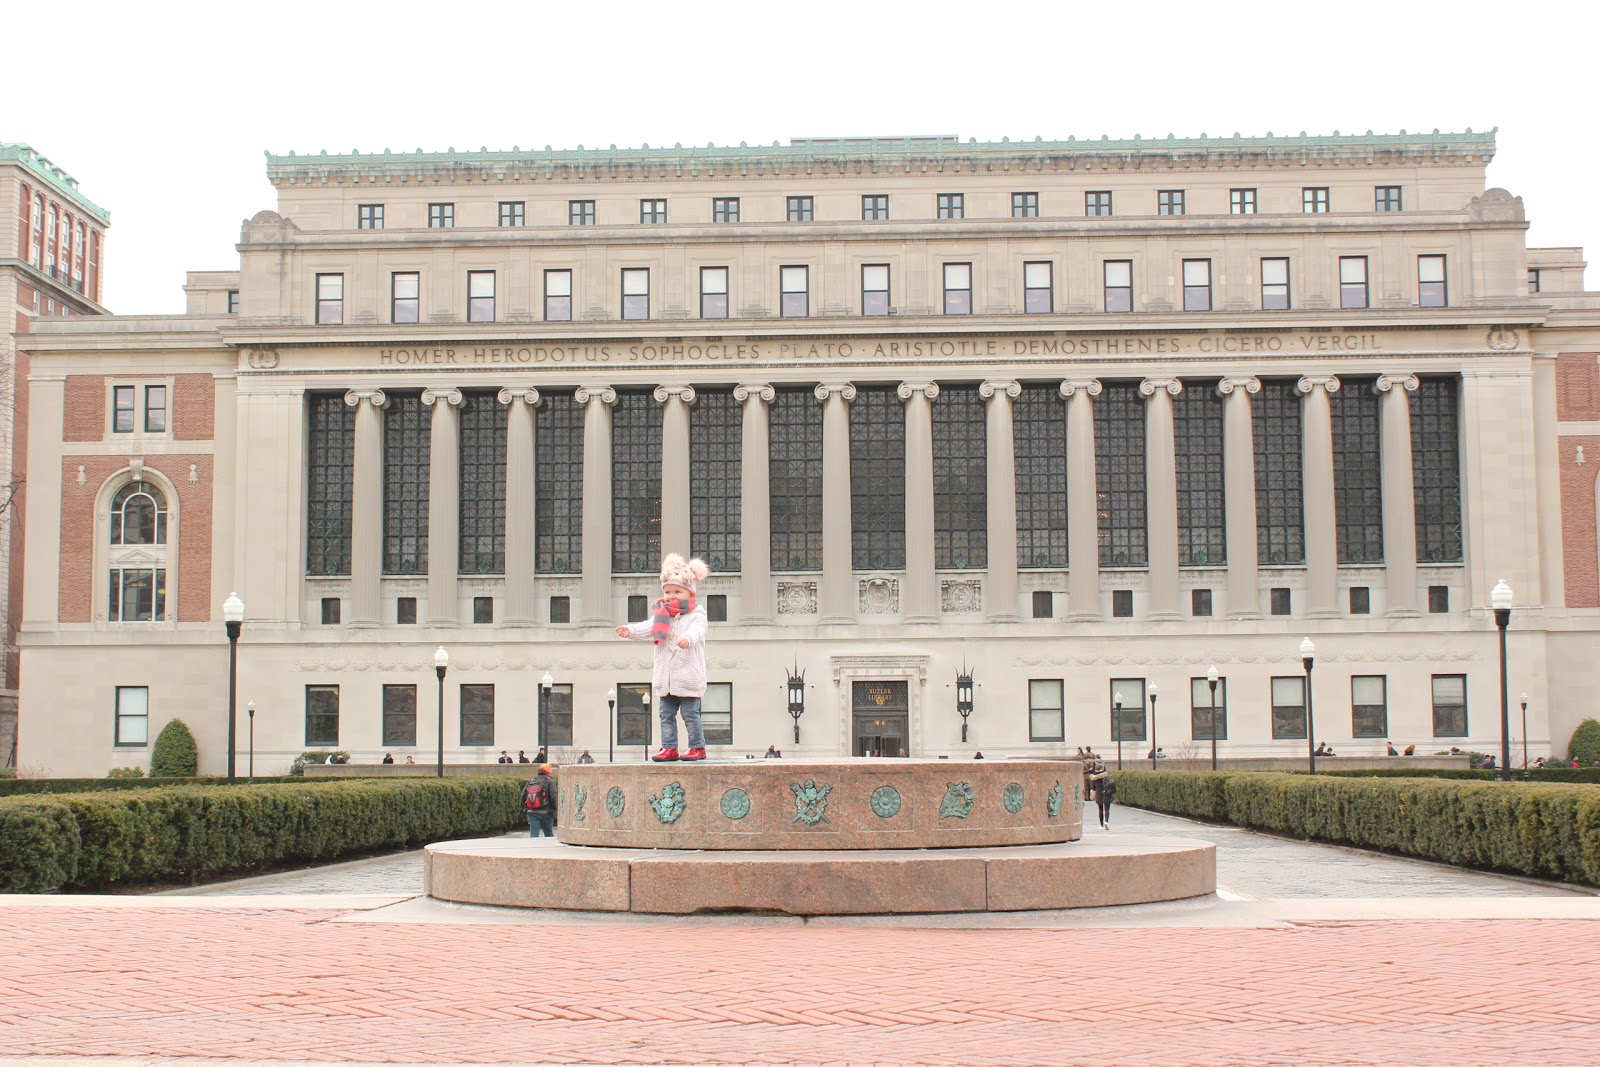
(675, 570)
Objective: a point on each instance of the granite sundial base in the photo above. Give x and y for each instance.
(839, 837)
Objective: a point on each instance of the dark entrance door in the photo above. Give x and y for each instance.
(881, 714)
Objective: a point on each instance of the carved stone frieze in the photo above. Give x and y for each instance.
(960, 596)
(797, 598)
(879, 596)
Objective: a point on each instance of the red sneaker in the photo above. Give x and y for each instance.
(694, 754)
(668, 755)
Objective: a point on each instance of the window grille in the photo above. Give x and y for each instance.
(1119, 418)
(1039, 432)
(330, 475)
(558, 508)
(483, 484)
(407, 445)
(716, 442)
(878, 480)
(1357, 471)
(1197, 428)
(1280, 520)
(635, 483)
(960, 479)
(1436, 469)
(794, 480)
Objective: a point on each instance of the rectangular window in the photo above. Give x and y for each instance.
(1534, 281)
(1360, 600)
(322, 715)
(477, 715)
(1431, 291)
(405, 611)
(483, 611)
(638, 608)
(557, 716)
(958, 288)
(441, 216)
(480, 296)
(558, 296)
(717, 607)
(1282, 601)
(138, 594)
(580, 212)
(653, 212)
(369, 217)
(1275, 284)
(330, 299)
(233, 301)
(331, 610)
(1449, 705)
(1044, 606)
(1119, 284)
(716, 468)
(1369, 705)
(1438, 600)
(1314, 200)
(399, 715)
(1097, 203)
(1122, 603)
(875, 289)
(1352, 281)
(1242, 201)
(1024, 205)
(874, 208)
(560, 609)
(713, 292)
(716, 713)
(1127, 709)
(799, 209)
(1201, 712)
(1169, 202)
(952, 205)
(1046, 711)
(1197, 285)
(405, 297)
(513, 213)
(725, 209)
(1289, 708)
(124, 401)
(636, 292)
(794, 286)
(133, 715)
(1038, 288)
(1200, 603)
(155, 409)
(633, 713)
(1387, 197)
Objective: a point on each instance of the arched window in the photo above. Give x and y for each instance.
(139, 515)
(137, 572)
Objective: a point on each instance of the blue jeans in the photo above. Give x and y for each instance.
(669, 707)
(541, 822)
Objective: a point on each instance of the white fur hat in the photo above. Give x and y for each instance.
(675, 570)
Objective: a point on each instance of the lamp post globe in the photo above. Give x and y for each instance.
(233, 619)
(441, 663)
(1500, 598)
(1308, 658)
(1211, 680)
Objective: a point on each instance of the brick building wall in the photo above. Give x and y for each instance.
(1578, 387)
(1578, 518)
(85, 418)
(194, 407)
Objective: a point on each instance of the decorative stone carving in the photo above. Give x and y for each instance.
(448, 394)
(906, 390)
(879, 596)
(263, 358)
(762, 392)
(1502, 339)
(886, 802)
(827, 389)
(670, 804)
(375, 397)
(961, 596)
(1149, 386)
(1251, 385)
(580, 796)
(958, 801)
(1092, 387)
(615, 802)
(603, 393)
(1013, 798)
(810, 801)
(736, 804)
(1496, 205)
(797, 598)
(513, 393)
(988, 390)
(1052, 802)
(1386, 382)
(685, 393)
(1310, 382)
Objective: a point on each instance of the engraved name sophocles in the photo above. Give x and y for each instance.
(1012, 798)
(958, 801)
(736, 804)
(886, 802)
(810, 802)
(615, 802)
(670, 804)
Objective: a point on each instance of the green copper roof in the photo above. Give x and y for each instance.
(64, 183)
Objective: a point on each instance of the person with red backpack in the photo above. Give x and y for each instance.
(539, 801)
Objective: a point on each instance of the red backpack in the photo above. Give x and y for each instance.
(536, 796)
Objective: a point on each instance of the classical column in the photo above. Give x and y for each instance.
(921, 602)
(1399, 496)
(520, 525)
(1161, 496)
(444, 505)
(1000, 594)
(597, 401)
(837, 602)
(755, 504)
(675, 530)
(1239, 496)
(1083, 511)
(1322, 540)
(366, 506)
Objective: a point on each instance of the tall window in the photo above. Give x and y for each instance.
(1534, 282)
(369, 217)
(635, 483)
(653, 212)
(1242, 201)
(960, 479)
(513, 213)
(1386, 197)
(794, 479)
(330, 299)
(558, 481)
(407, 447)
(1119, 284)
(952, 205)
(958, 288)
(716, 445)
(322, 715)
(716, 713)
(441, 216)
(799, 208)
(1129, 725)
(1119, 417)
(480, 296)
(1449, 705)
(1275, 284)
(137, 594)
(1314, 200)
(137, 590)
(1431, 291)
(133, 715)
(1280, 518)
(558, 296)
(1024, 205)
(233, 301)
(633, 714)
(155, 409)
(725, 209)
(1038, 288)
(124, 408)
(1197, 285)
(713, 292)
(636, 292)
(1046, 710)
(1201, 713)
(1169, 202)
(1357, 472)
(1369, 705)
(794, 286)
(1097, 203)
(330, 475)
(482, 531)
(399, 715)
(580, 212)
(1197, 415)
(405, 297)
(477, 715)
(875, 289)
(874, 208)
(1352, 281)
(878, 479)
(1436, 469)
(1289, 708)
(1039, 433)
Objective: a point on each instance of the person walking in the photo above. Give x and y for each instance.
(1103, 788)
(677, 626)
(539, 801)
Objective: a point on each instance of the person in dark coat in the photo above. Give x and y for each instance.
(1103, 788)
(541, 820)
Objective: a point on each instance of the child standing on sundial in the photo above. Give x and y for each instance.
(677, 625)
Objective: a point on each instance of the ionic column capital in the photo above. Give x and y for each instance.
(1090, 387)
(1149, 386)
(603, 393)
(906, 390)
(684, 393)
(449, 394)
(1248, 383)
(760, 390)
(1386, 382)
(375, 397)
(1328, 383)
(989, 390)
(527, 394)
(844, 390)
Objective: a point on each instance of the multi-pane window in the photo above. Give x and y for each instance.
(513, 213)
(1024, 205)
(1044, 604)
(399, 715)
(560, 609)
(1352, 281)
(1386, 197)
(407, 447)
(1122, 603)
(580, 212)
(725, 209)
(653, 211)
(638, 608)
(878, 480)
(716, 446)
(1431, 282)
(1202, 714)
(1436, 470)
(1197, 415)
(480, 296)
(1039, 434)
(960, 479)
(716, 713)
(794, 480)
(477, 714)
(952, 205)
(322, 715)
(557, 716)
(1119, 284)
(1280, 521)
(1200, 603)
(1534, 282)
(1438, 600)
(1369, 705)
(633, 713)
(1038, 288)
(482, 530)
(1357, 472)
(958, 288)
(1360, 600)
(713, 292)
(1119, 418)
(137, 594)
(1127, 709)
(1242, 201)
(155, 409)
(405, 297)
(636, 292)
(1289, 708)
(233, 301)
(331, 610)
(1097, 203)
(635, 483)
(330, 476)
(330, 299)
(124, 408)
(1046, 710)
(558, 296)
(1169, 202)
(799, 208)
(1280, 600)
(441, 216)
(794, 292)
(875, 289)
(1275, 284)
(1449, 705)
(133, 715)
(1314, 200)
(1197, 285)
(483, 610)
(874, 208)
(369, 217)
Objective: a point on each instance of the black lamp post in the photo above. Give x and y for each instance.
(1211, 680)
(251, 709)
(546, 684)
(964, 702)
(1116, 725)
(441, 662)
(1500, 599)
(797, 698)
(1308, 654)
(1524, 699)
(1153, 765)
(645, 697)
(611, 726)
(233, 619)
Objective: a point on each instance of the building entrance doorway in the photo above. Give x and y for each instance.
(881, 713)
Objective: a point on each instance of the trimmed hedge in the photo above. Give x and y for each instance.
(87, 841)
(20, 786)
(1585, 743)
(1543, 831)
(175, 754)
(1567, 775)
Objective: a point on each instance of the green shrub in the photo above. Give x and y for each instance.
(39, 846)
(23, 786)
(1568, 775)
(121, 773)
(1585, 743)
(174, 754)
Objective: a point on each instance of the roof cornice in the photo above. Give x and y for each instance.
(52, 175)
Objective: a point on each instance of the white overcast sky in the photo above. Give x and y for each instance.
(162, 110)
